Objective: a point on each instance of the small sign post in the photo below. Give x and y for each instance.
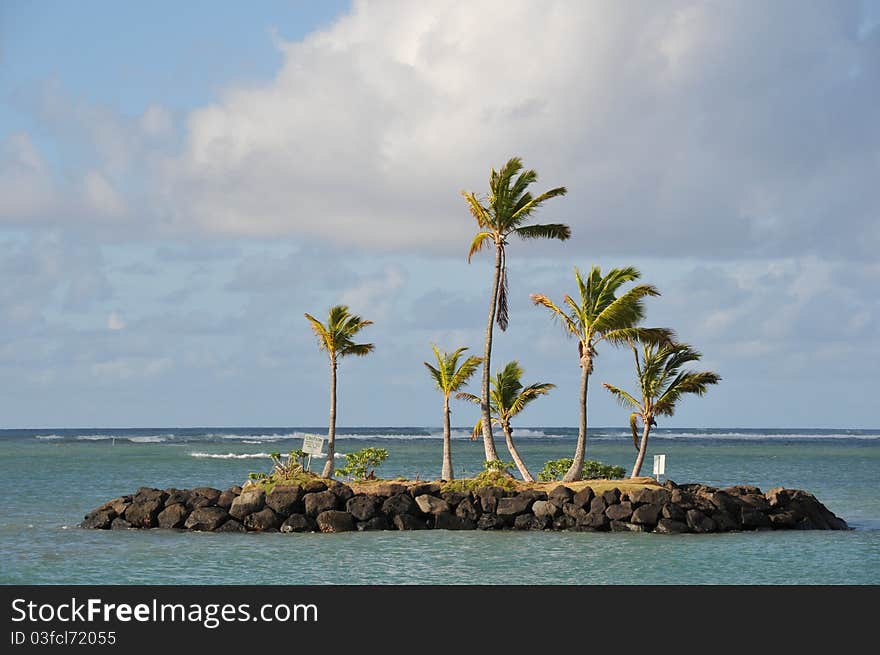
(659, 466)
(312, 444)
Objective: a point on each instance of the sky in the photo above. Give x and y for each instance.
(180, 182)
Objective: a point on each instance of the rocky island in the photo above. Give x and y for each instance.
(321, 505)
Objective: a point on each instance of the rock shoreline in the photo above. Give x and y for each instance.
(336, 507)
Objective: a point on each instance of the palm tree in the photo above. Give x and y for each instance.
(508, 398)
(599, 316)
(450, 377)
(336, 338)
(505, 212)
(662, 383)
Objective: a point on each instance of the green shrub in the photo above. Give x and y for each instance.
(361, 464)
(593, 470)
(494, 474)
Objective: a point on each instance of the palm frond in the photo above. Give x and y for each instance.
(437, 375)
(502, 310)
(527, 395)
(632, 335)
(324, 341)
(357, 349)
(464, 395)
(480, 213)
(546, 231)
(464, 372)
(625, 311)
(570, 326)
(528, 204)
(622, 397)
(478, 243)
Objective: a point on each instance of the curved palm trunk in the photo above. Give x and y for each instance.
(576, 472)
(523, 471)
(643, 448)
(488, 441)
(446, 473)
(331, 430)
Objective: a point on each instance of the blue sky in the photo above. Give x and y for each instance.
(179, 182)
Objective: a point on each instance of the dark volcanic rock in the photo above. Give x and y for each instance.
(490, 522)
(531, 522)
(225, 499)
(321, 501)
(623, 526)
(784, 519)
(544, 508)
(335, 521)
(299, 523)
(202, 497)
(120, 523)
(724, 522)
(583, 497)
(143, 514)
(454, 497)
(206, 519)
(612, 496)
(250, 501)
(668, 526)
(409, 522)
(430, 488)
(374, 524)
(723, 501)
(683, 499)
(467, 510)
(573, 511)
(594, 520)
(620, 512)
(515, 505)
(429, 504)
(177, 496)
(387, 489)
(99, 519)
(449, 521)
(263, 521)
(231, 526)
(173, 516)
(286, 500)
(488, 498)
(650, 496)
(314, 486)
(145, 494)
(399, 504)
(564, 522)
(597, 505)
(674, 512)
(699, 522)
(646, 514)
(560, 495)
(754, 518)
(342, 491)
(362, 507)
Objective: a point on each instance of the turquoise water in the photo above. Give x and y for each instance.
(52, 477)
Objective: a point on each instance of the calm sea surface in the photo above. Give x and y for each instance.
(52, 477)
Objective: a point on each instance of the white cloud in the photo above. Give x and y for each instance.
(129, 368)
(100, 195)
(115, 322)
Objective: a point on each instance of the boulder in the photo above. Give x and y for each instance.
(342, 491)
(99, 519)
(225, 500)
(531, 522)
(449, 521)
(724, 522)
(620, 512)
(429, 504)
(362, 507)
(231, 526)
(674, 512)
(594, 520)
(399, 504)
(387, 489)
(285, 500)
(784, 519)
(173, 516)
(320, 501)
(409, 522)
(203, 497)
(583, 497)
(544, 509)
(683, 499)
(574, 512)
(668, 526)
(490, 522)
(650, 496)
(488, 498)
(612, 496)
(723, 501)
(466, 509)
(597, 505)
(376, 523)
(623, 526)
(560, 495)
(564, 522)
(454, 497)
(251, 500)
(430, 488)
(145, 494)
(515, 505)
(753, 519)
(263, 521)
(335, 521)
(120, 523)
(314, 486)
(743, 490)
(646, 514)
(299, 523)
(206, 519)
(143, 514)
(177, 496)
(699, 522)
(754, 501)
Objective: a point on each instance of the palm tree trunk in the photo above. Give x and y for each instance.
(643, 448)
(523, 471)
(488, 441)
(331, 430)
(576, 472)
(446, 473)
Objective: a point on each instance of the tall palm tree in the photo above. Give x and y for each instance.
(508, 398)
(662, 383)
(450, 377)
(505, 212)
(600, 315)
(336, 337)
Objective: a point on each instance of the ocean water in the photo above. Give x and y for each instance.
(51, 478)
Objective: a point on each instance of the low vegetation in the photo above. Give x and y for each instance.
(556, 469)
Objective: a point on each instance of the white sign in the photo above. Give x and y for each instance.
(659, 464)
(312, 444)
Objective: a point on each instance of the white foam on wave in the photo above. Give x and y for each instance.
(149, 439)
(230, 455)
(49, 437)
